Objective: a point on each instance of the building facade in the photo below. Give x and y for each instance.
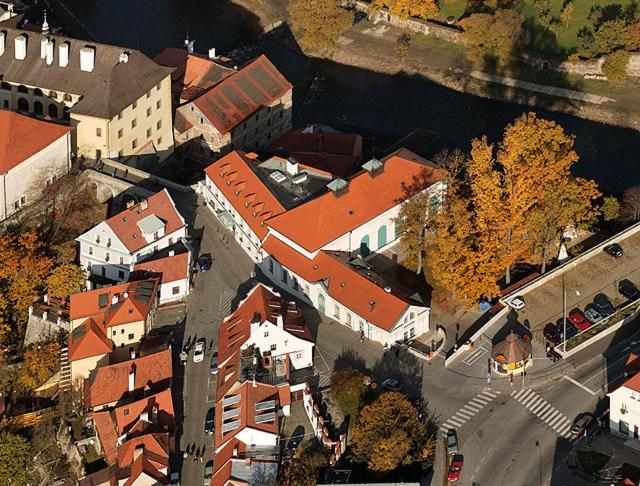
(624, 403)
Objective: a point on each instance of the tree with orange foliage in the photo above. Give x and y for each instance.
(41, 361)
(65, 279)
(424, 9)
(388, 433)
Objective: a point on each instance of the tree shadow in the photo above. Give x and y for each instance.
(350, 359)
(399, 364)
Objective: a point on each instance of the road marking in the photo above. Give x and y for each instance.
(468, 411)
(475, 356)
(539, 407)
(580, 385)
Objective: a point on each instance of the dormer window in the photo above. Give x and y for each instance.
(108, 242)
(151, 227)
(98, 239)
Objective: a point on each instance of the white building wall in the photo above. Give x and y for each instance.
(266, 335)
(628, 400)
(23, 184)
(250, 436)
(167, 293)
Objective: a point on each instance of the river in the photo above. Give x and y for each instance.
(354, 98)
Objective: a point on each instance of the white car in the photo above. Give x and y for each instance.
(198, 352)
(517, 303)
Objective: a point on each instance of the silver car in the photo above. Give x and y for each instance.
(592, 314)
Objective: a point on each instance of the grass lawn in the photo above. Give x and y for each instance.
(451, 8)
(545, 41)
(591, 462)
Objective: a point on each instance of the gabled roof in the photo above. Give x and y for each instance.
(633, 383)
(162, 403)
(107, 434)
(322, 220)
(107, 90)
(249, 196)
(147, 464)
(110, 383)
(157, 443)
(125, 223)
(115, 305)
(22, 136)
(88, 339)
(343, 283)
(193, 73)
(632, 365)
(238, 96)
(169, 269)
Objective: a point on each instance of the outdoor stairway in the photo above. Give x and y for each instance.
(65, 369)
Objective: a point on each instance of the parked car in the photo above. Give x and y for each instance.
(208, 473)
(391, 385)
(578, 320)
(359, 17)
(580, 425)
(205, 262)
(571, 331)
(209, 421)
(603, 304)
(198, 352)
(452, 441)
(517, 303)
(628, 289)
(592, 314)
(551, 334)
(614, 250)
(214, 363)
(175, 479)
(456, 468)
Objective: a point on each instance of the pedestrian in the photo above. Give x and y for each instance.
(197, 454)
(185, 454)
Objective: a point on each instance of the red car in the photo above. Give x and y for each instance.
(455, 468)
(578, 320)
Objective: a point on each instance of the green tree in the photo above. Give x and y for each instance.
(611, 35)
(15, 457)
(614, 66)
(567, 11)
(319, 22)
(347, 388)
(65, 279)
(610, 208)
(493, 39)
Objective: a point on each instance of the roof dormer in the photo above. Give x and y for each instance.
(151, 228)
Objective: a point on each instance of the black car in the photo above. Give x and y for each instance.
(614, 250)
(603, 304)
(359, 17)
(205, 262)
(571, 330)
(551, 334)
(209, 421)
(628, 289)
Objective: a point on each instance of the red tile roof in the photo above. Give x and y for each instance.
(345, 285)
(322, 220)
(222, 462)
(633, 383)
(238, 96)
(22, 136)
(144, 465)
(170, 269)
(249, 196)
(127, 415)
(133, 307)
(88, 339)
(632, 365)
(194, 74)
(110, 383)
(125, 223)
(284, 394)
(107, 434)
(157, 443)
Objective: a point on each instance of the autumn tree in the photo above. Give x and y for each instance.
(65, 279)
(614, 66)
(15, 458)
(611, 35)
(388, 434)
(566, 13)
(319, 22)
(424, 9)
(493, 39)
(40, 362)
(631, 203)
(347, 387)
(610, 208)
(403, 42)
(303, 469)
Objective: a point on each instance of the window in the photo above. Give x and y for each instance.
(134, 123)
(98, 132)
(90, 250)
(134, 143)
(148, 132)
(295, 284)
(286, 342)
(158, 104)
(159, 125)
(365, 245)
(148, 112)
(120, 116)
(155, 249)
(266, 334)
(120, 133)
(120, 153)
(107, 257)
(23, 200)
(120, 274)
(268, 109)
(298, 355)
(113, 333)
(158, 86)
(121, 260)
(348, 319)
(270, 265)
(135, 105)
(284, 275)
(160, 141)
(191, 107)
(623, 427)
(148, 94)
(131, 335)
(336, 312)
(201, 121)
(382, 236)
(121, 331)
(412, 332)
(273, 347)
(257, 116)
(171, 241)
(175, 290)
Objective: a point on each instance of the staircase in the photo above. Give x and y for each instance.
(65, 369)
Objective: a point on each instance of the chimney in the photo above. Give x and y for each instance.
(87, 58)
(144, 204)
(21, 47)
(43, 47)
(154, 413)
(138, 451)
(172, 253)
(124, 57)
(292, 167)
(114, 299)
(133, 354)
(144, 415)
(132, 378)
(130, 203)
(63, 54)
(3, 42)
(212, 53)
(338, 187)
(49, 52)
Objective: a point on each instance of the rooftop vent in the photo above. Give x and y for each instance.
(373, 167)
(278, 176)
(3, 42)
(212, 53)
(338, 187)
(63, 54)
(87, 58)
(300, 178)
(124, 57)
(21, 47)
(387, 289)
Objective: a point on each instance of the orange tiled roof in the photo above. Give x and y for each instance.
(284, 394)
(110, 383)
(633, 383)
(132, 308)
(250, 197)
(88, 340)
(107, 434)
(238, 96)
(344, 284)
(633, 364)
(222, 462)
(22, 136)
(322, 220)
(127, 415)
(170, 269)
(144, 465)
(157, 443)
(125, 223)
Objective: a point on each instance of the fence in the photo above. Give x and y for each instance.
(338, 447)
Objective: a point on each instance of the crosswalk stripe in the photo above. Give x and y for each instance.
(550, 414)
(466, 413)
(543, 410)
(561, 427)
(565, 429)
(529, 400)
(556, 421)
(542, 404)
(462, 416)
(455, 422)
(481, 400)
(472, 408)
(525, 395)
(519, 393)
(489, 394)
